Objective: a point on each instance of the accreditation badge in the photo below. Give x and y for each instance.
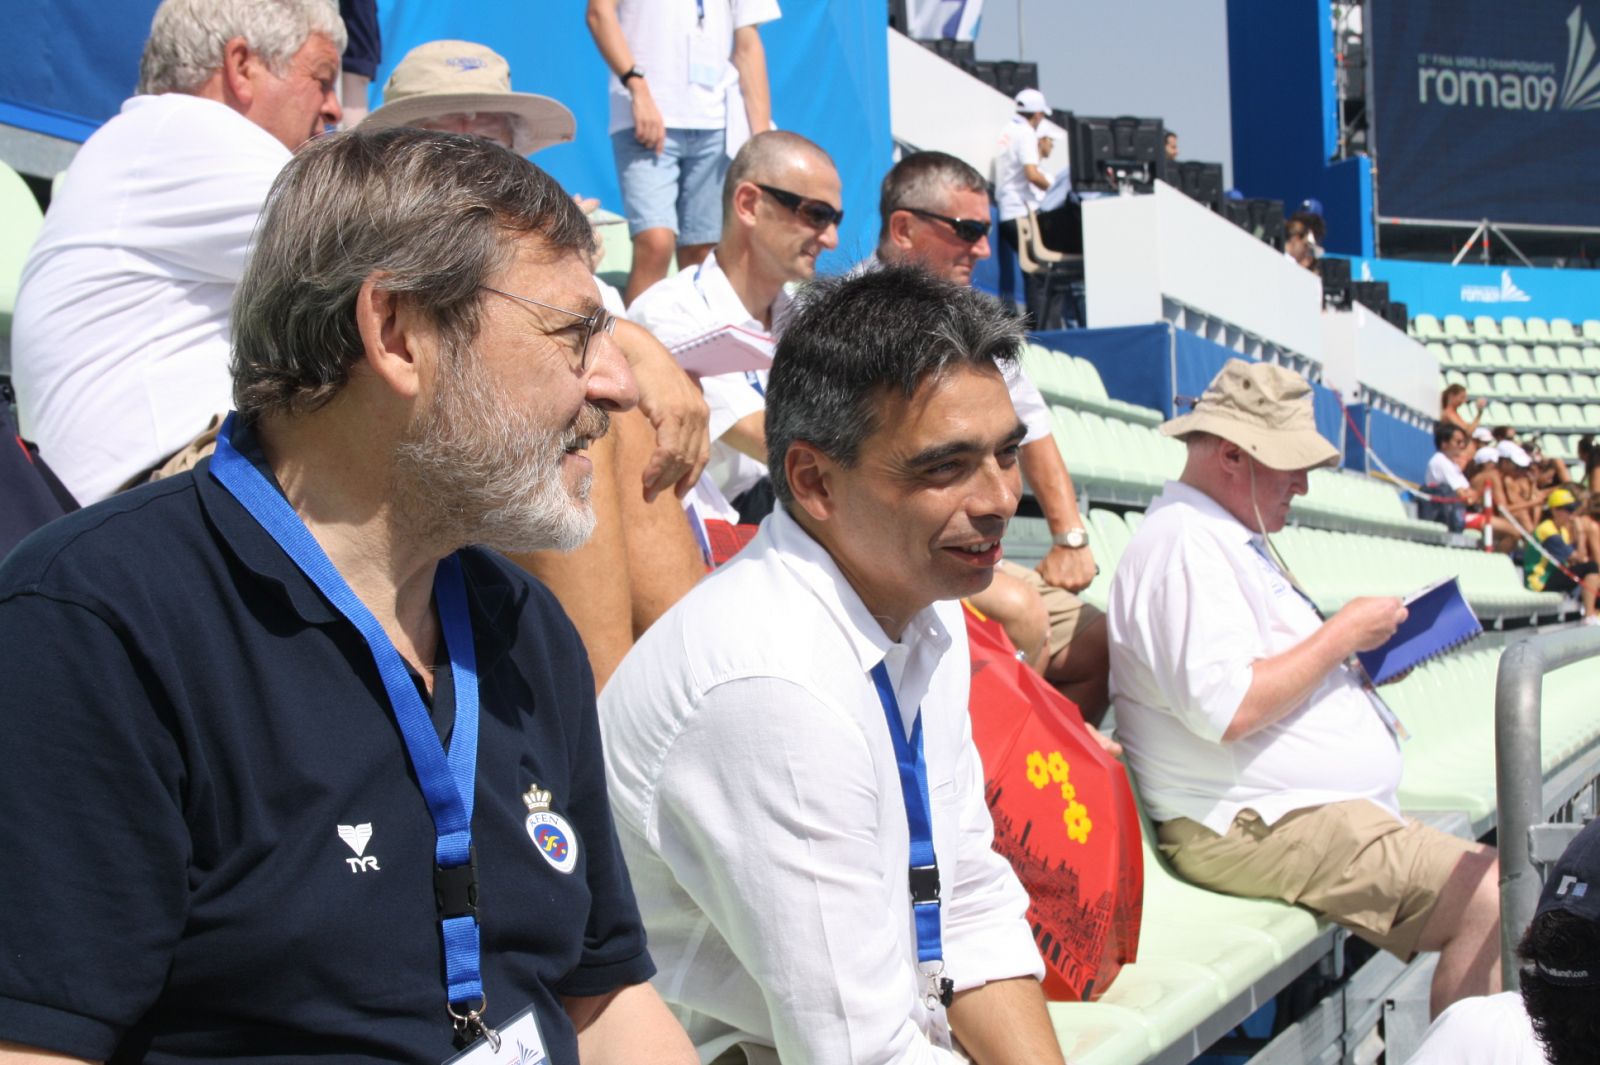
(516, 1042)
(552, 836)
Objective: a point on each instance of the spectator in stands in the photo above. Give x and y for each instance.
(1483, 474)
(1567, 553)
(934, 212)
(1310, 212)
(1548, 471)
(751, 736)
(1016, 170)
(1523, 497)
(1589, 455)
(1455, 398)
(687, 95)
(1269, 768)
(1171, 146)
(1299, 245)
(120, 341)
(642, 556)
(1446, 478)
(216, 683)
(780, 210)
(1555, 1020)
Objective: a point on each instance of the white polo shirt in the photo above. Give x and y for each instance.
(1442, 469)
(1018, 148)
(685, 57)
(1193, 606)
(757, 799)
(690, 304)
(120, 341)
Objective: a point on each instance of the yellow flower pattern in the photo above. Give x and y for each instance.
(1044, 770)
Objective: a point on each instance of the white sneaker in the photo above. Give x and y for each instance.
(1592, 619)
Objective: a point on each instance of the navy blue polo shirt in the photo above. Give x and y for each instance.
(212, 843)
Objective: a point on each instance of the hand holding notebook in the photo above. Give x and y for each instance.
(1437, 619)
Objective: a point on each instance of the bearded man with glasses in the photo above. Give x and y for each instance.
(780, 210)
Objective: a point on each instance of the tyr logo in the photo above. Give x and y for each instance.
(356, 838)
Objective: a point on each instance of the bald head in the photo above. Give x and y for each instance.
(767, 159)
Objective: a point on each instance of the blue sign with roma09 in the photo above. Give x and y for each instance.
(1483, 109)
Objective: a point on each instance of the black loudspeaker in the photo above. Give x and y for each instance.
(1202, 182)
(1266, 221)
(1335, 282)
(1237, 212)
(1398, 315)
(1373, 295)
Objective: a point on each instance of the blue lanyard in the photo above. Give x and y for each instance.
(700, 9)
(447, 781)
(924, 872)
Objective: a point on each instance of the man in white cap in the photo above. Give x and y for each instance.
(1016, 170)
(1269, 768)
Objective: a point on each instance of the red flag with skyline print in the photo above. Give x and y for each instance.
(1064, 817)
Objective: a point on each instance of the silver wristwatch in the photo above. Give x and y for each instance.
(1073, 538)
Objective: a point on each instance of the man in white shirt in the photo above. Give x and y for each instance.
(774, 743)
(1269, 767)
(691, 85)
(934, 212)
(120, 341)
(780, 210)
(1016, 171)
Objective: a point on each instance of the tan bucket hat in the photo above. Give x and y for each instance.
(1266, 410)
(450, 77)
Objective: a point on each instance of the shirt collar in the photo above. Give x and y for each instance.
(726, 306)
(1208, 510)
(810, 562)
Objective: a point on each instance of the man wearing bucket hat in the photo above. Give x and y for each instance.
(1268, 767)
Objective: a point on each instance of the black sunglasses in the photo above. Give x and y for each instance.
(965, 228)
(814, 213)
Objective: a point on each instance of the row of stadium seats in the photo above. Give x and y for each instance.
(1073, 381)
(1540, 358)
(1484, 327)
(1505, 385)
(1542, 417)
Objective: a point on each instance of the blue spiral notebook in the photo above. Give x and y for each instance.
(1438, 618)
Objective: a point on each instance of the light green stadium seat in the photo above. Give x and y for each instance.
(1546, 416)
(1478, 384)
(1561, 329)
(1497, 413)
(1485, 328)
(1133, 519)
(1591, 414)
(1039, 366)
(1491, 357)
(1531, 385)
(1518, 357)
(1455, 377)
(1512, 328)
(1591, 330)
(1558, 384)
(20, 219)
(1505, 383)
(1569, 357)
(1536, 328)
(1571, 417)
(1439, 352)
(1544, 357)
(1456, 327)
(1583, 386)
(1465, 355)
(1426, 327)
(1522, 414)
(1591, 359)
(1089, 380)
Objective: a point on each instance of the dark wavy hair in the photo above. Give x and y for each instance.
(1566, 1019)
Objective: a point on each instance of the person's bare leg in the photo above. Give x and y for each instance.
(1464, 928)
(1588, 588)
(652, 254)
(1020, 611)
(663, 558)
(591, 583)
(692, 254)
(1081, 671)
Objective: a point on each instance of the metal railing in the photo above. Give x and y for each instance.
(1525, 799)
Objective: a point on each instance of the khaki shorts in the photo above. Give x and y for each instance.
(1351, 862)
(1069, 615)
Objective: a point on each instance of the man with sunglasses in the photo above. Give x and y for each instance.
(935, 214)
(780, 210)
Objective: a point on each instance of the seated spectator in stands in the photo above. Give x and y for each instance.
(752, 735)
(1548, 471)
(1016, 170)
(1567, 553)
(1446, 477)
(1454, 398)
(1171, 146)
(934, 212)
(1589, 456)
(642, 557)
(1269, 768)
(1310, 213)
(120, 342)
(1483, 474)
(780, 210)
(207, 677)
(1299, 246)
(1523, 497)
(1555, 1019)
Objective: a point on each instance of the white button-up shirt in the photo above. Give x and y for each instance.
(692, 303)
(1194, 605)
(1017, 150)
(758, 803)
(1442, 469)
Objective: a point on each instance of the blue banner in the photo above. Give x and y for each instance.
(1483, 109)
(1470, 289)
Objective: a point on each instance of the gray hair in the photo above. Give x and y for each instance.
(433, 214)
(187, 37)
(922, 180)
(853, 341)
(760, 159)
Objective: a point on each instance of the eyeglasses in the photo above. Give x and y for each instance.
(814, 213)
(966, 229)
(601, 321)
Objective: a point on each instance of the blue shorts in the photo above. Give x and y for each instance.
(680, 189)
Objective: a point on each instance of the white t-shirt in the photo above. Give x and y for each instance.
(1486, 1030)
(1018, 148)
(1442, 469)
(1194, 605)
(757, 800)
(685, 58)
(121, 337)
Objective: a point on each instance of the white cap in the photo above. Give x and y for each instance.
(1031, 102)
(1510, 449)
(1486, 456)
(1483, 435)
